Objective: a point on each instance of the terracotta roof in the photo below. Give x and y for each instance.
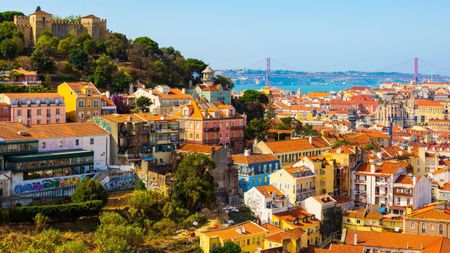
(173, 93)
(431, 212)
(403, 179)
(198, 148)
(32, 95)
(108, 101)
(292, 234)
(269, 190)
(387, 167)
(297, 145)
(359, 214)
(294, 214)
(90, 16)
(79, 86)
(25, 72)
(231, 232)
(271, 228)
(204, 110)
(41, 12)
(9, 130)
(121, 118)
(254, 158)
(428, 103)
(390, 240)
(338, 248)
(298, 172)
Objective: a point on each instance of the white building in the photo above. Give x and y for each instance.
(265, 201)
(387, 184)
(318, 204)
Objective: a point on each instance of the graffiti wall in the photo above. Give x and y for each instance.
(121, 182)
(48, 184)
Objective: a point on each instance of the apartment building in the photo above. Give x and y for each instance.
(82, 99)
(296, 183)
(265, 201)
(433, 219)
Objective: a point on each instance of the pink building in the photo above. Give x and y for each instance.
(5, 112)
(35, 108)
(212, 124)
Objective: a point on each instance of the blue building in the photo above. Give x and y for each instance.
(254, 169)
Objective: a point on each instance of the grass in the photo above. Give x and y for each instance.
(244, 214)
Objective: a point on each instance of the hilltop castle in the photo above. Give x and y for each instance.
(33, 25)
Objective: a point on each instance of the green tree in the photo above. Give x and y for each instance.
(252, 103)
(78, 58)
(65, 45)
(225, 81)
(9, 15)
(47, 44)
(147, 203)
(228, 247)
(116, 46)
(45, 241)
(8, 49)
(104, 71)
(192, 66)
(143, 103)
(194, 186)
(121, 82)
(165, 227)
(150, 47)
(9, 30)
(253, 95)
(257, 129)
(42, 62)
(89, 189)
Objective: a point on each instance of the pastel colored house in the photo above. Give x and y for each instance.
(296, 183)
(24, 76)
(35, 108)
(83, 100)
(370, 219)
(265, 201)
(255, 169)
(5, 112)
(324, 171)
(212, 124)
(208, 90)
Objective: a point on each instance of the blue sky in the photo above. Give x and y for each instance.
(315, 35)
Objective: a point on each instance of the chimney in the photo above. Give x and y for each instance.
(310, 139)
(355, 239)
(108, 94)
(247, 152)
(373, 168)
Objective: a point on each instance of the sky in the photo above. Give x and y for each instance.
(314, 35)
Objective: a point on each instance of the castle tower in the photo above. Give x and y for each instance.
(208, 76)
(95, 26)
(40, 21)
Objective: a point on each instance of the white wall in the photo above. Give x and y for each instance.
(422, 193)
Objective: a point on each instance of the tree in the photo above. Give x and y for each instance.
(253, 95)
(192, 66)
(65, 45)
(122, 107)
(8, 49)
(47, 44)
(24, 62)
(121, 82)
(165, 227)
(116, 46)
(194, 186)
(257, 129)
(78, 58)
(147, 203)
(228, 247)
(9, 15)
(150, 46)
(41, 62)
(9, 30)
(89, 189)
(225, 81)
(104, 70)
(143, 103)
(252, 103)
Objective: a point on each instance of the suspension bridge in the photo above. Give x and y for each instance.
(254, 71)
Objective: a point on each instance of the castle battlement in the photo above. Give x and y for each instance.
(32, 28)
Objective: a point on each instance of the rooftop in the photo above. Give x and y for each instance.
(244, 229)
(296, 145)
(199, 148)
(253, 158)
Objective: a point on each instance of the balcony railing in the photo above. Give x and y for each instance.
(211, 129)
(237, 127)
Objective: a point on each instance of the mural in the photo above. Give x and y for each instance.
(101, 123)
(50, 184)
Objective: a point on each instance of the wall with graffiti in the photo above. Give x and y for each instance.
(46, 184)
(120, 182)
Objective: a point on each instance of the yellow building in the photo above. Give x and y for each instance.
(292, 240)
(370, 220)
(248, 235)
(425, 110)
(299, 218)
(324, 171)
(296, 183)
(82, 99)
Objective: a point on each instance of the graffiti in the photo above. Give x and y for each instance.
(124, 182)
(50, 184)
(101, 123)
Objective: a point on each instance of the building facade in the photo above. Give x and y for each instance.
(82, 99)
(209, 90)
(35, 108)
(296, 183)
(265, 201)
(255, 169)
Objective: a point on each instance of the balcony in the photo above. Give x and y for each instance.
(237, 127)
(211, 129)
(212, 141)
(237, 139)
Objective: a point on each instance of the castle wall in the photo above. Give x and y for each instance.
(61, 28)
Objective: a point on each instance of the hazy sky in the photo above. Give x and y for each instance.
(314, 35)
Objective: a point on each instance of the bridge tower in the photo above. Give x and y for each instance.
(416, 69)
(268, 71)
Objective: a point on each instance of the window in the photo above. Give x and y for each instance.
(423, 227)
(413, 225)
(19, 113)
(38, 112)
(358, 222)
(95, 103)
(441, 229)
(48, 113)
(91, 141)
(44, 144)
(81, 103)
(57, 111)
(431, 226)
(348, 220)
(60, 144)
(77, 142)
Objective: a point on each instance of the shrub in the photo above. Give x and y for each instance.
(89, 189)
(72, 247)
(41, 221)
(70, 211)
(197, 217)
(165, 227)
